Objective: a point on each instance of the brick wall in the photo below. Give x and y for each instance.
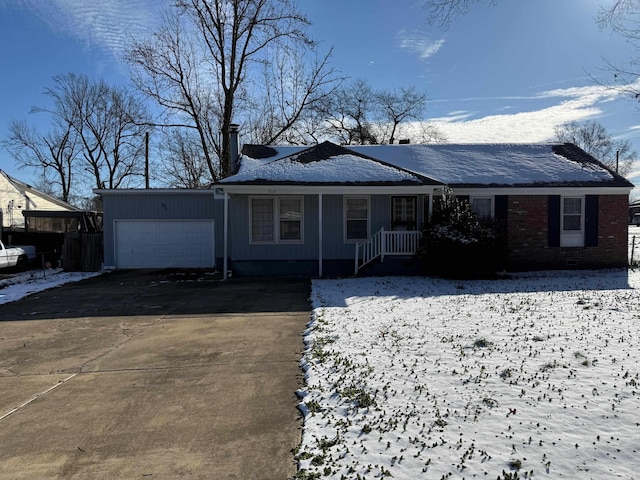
(528, 229)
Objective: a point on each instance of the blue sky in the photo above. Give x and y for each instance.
(502, 74)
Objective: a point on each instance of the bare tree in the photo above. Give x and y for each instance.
(219, 62)
(293, 90)
(185, 165)
(351, 113)
(54, 154)
(398, 106)
(167, 69)
(429, 133)
(445, 11)
(107, 125)
(617, 155)
(357, 114)
(237, 34)
(623, 18)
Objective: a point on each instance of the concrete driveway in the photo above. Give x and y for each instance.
(152, 375)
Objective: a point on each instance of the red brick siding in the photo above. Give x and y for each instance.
(527, 235)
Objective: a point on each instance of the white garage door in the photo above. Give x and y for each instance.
(164, 243)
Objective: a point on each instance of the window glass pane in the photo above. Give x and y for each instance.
(356, 229)
(571, 222)
(404, 209)
(290, 230)
(572, 206)
(572, 214)
(262, 226)
(290, 219)
(357, 218)
(481, 207)
(356, 208)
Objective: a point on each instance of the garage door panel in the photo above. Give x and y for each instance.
(164, 243)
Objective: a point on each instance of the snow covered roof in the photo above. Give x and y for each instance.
(506, 165)
(323, 164)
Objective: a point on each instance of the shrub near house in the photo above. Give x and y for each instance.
(457, 243)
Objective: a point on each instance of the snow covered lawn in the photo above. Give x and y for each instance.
(19, 285)
(536, 376)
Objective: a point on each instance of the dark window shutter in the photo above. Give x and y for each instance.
(501, 207)
(501, 212)
(591, 221)
(554, 220)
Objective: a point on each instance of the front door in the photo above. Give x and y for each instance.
(403, 213)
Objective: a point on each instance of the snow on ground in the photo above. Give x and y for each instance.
(534, 376)
(17, 286)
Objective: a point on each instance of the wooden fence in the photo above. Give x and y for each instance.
(82, 252)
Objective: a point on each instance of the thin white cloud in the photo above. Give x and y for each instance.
(108, 25)
(416, 42)
(531, 126)
(453, 117)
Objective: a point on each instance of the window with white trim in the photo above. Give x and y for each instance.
(275, 219)
(572, 222)
(356, 218)
(290, 215)
(482, 206)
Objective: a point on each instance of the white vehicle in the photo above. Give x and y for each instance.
(16, 256)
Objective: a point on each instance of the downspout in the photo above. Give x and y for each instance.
(226, 235)
(320, 235)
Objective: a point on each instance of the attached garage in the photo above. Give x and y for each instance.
(164, 243)
(162, 228)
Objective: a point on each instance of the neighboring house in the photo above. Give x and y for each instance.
(634, 212)
(294, 210)
(16, 196)
(325, 209)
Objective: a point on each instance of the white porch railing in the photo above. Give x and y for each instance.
(384, 243)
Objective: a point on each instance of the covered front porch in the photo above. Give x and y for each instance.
(334, 224)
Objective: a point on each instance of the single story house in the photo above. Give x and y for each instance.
(325, 209)
(328, 210)
(17, 196)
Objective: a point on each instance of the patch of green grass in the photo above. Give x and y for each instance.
(359, 396)
(482, 343)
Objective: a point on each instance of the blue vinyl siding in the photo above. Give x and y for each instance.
(240, 247)
(149, 205)
(334, 246)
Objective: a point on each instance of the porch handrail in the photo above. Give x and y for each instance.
(384, 243)
(371, 249)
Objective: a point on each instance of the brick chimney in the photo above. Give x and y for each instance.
(234, 147)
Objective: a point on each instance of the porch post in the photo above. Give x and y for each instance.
(226, 234)
(320, 235)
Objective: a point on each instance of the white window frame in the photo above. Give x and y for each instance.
(572, 238)
(483, 197)
(276, 220)
(345, 199)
